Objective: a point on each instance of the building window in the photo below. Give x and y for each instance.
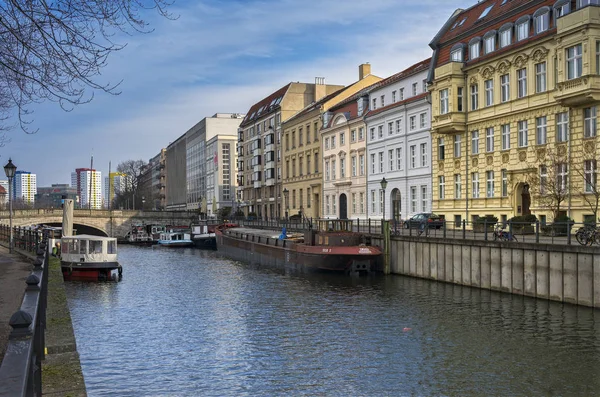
(522, 82)
(589, 122)
(374, 103)
(424, 198)
(562, 9)
(489, 139)
(423, 118)
(316, 163)
(362, 202)
(424, 85)
(413, 122)
(505, 136)
(343, 167)
(353, 161)
(490, 184)
(393, 96)
(562, 173)
(308, 134)
(413, 199)
(333, 169)
(300, 137)
(373, 201)
(597, 57)
(391, 159)
(459, 99)
(456, 146)
(522, 133)
(354, 203)
(326, 143)
(540, 77)
(441, 149)
(542, 22)
(380, 162)
(414, 89)
(372, 134)
(413, 156)
(316, 131)
(333, 142)
(327, 207)
(441, 187)
(308, 164)
(475, 142)
(327, 171)
(489, 44)
(574, 62)
(543, 179)
(361, 164)
(562, 127)
(540, 130)
(380, 131)
(475, 183)
(457, 186)
(474, 50)
(401, 94)
(505, 87)
(342, 138)
(504, 175)
(474, 97)
(398, 122)
(456, 55)
(523, 30)
(423, 155)
(333, 204)
(372, 163)
(353, 136)
(390, 128)
(489, 92)
(505, 37)
(590, 171)
(382, 100)
(399, 158)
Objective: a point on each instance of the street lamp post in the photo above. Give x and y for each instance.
(383, 186)
(286, 198)
(9, 170)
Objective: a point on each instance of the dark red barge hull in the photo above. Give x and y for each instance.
(286, 254)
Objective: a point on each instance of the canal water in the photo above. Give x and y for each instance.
(192, 323)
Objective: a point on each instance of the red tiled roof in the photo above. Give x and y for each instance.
(2, 190)
(396, 104)
(416, 68)
(474, 26)
(265, 104)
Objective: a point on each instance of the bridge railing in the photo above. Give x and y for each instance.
(21, 369)
(31, 213)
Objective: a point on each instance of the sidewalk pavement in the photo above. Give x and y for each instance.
(14, 270)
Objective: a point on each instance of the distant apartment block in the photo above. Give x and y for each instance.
(88, 183)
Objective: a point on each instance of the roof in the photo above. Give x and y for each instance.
(265, 106)
(483, 17)
(316, 104)
(2, 190)
(396, 104)
(411, 70)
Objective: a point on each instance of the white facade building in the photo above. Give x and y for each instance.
(399, 145)
(89, 187)
(114, 184)
(25, 186)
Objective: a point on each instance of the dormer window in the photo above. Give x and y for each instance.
(474, 48)
(505, 35)
(541, 19)
(456, 53)
(522, 28)
(485, 12)
(561, 8)
(489, 42)
(583, 3)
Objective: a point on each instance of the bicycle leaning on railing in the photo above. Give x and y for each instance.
(588, 235)
(502, 235)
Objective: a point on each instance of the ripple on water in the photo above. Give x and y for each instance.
(191, 323)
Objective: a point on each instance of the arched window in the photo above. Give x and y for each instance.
(505, 35)
(561, 7)
(457, 53)
(522, 27)
(541, 19)
(489, 42)
(474, 46)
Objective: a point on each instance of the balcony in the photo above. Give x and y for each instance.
(581, 91)
(449, 123)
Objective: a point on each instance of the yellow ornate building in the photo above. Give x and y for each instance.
(302, 149)
(515, 87)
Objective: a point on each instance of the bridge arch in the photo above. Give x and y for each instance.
(82, 229)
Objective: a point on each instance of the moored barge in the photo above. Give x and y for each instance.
(89, 258)
(332, 246)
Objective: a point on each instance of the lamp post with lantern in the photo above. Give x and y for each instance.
(286, 194)
(383, 187)
(385, 228)
(9, 170)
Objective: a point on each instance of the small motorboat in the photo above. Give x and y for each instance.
(175, 239)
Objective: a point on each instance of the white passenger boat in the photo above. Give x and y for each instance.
(175, 239)
(87, 257)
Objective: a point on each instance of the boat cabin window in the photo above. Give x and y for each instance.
(112, 247)
(83, 247)
(95, 247)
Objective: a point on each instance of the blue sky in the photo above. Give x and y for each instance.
(220, 57)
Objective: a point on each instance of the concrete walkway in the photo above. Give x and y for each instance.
(14, 270)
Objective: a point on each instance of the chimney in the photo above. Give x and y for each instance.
(320, 88)
(364, 70)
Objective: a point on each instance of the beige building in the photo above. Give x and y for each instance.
(259, 146)
(515, 90)
(302, 146)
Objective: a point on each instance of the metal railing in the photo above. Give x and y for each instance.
(21, 369)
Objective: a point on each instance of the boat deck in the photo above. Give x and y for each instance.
(271, 234)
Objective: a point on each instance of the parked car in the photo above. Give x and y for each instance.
(433, 221)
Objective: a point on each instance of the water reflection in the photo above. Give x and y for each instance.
(190, 323)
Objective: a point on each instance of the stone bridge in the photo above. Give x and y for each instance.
(114, 223)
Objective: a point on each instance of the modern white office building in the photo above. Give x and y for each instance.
(399, 145)
(24, 187)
